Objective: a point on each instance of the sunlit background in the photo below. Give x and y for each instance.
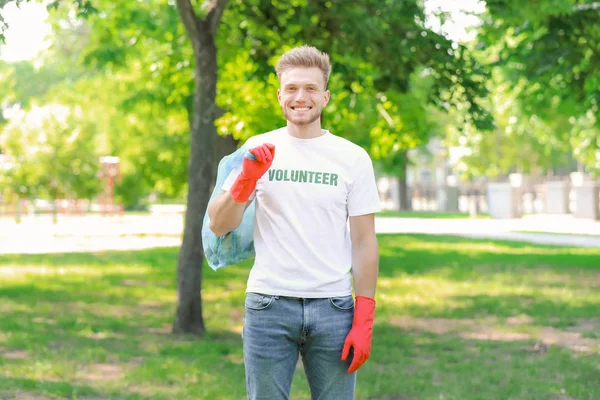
(481, 119)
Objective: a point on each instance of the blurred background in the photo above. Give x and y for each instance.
(482, 121)
(471, 107)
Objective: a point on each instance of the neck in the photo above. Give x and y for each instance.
(309, 131)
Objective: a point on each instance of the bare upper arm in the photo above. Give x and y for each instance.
(362, 228)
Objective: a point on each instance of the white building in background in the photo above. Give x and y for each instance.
(431, 183)
(430, 165)
(433, 186)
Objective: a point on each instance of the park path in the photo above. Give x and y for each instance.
(553, 230)
(132, 232)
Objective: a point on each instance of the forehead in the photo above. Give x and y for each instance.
(303, 76)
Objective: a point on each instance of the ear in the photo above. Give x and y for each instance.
(327, 97)
(279, 95)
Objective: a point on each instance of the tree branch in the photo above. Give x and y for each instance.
(190, 20)
(216, 7)
(3, 24)
(5, 2)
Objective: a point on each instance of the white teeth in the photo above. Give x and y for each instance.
(301, 108)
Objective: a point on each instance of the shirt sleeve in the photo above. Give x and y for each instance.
(363, 197)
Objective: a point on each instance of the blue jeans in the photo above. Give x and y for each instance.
(277, 329)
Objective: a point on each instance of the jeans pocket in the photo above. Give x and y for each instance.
(344, 303)
(257, 301)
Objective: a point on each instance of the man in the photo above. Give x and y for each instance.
(307, 183)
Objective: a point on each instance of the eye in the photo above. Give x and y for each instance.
(291, 89)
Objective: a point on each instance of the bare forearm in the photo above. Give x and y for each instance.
(225, 214)
(365, 267)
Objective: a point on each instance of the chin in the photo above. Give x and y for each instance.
(309, 119)
(301, 122)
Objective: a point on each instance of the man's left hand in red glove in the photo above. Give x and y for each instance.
(359, 337)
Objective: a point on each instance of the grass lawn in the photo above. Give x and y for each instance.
(428, 214)
(457, 319)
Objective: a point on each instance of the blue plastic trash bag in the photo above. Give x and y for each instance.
(237, 245)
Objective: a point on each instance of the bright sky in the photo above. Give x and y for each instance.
(27, 31)
(458, 21)
(26, 35)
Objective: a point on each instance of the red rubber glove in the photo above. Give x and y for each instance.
(245, 183)
(359, 336)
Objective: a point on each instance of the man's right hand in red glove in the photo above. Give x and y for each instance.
(252, 171)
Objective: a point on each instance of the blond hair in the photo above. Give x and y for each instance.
(304, 56)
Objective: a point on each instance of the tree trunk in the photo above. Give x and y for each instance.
(404, 195)
(224, 146)
(188, 317)
(55, 211)
(18, 211)
(191, 256)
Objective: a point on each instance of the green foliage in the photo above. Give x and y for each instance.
(250, 104)
(135, 86)
(551, 50)
(52, 154)
(21, 82)
(361, 38)
(130, 67)
(519, 143)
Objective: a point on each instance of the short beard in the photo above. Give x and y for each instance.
(288, 116)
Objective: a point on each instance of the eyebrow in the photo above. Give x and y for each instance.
(297, 84)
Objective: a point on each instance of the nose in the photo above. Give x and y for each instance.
(301, 95)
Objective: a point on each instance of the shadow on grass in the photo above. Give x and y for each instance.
(407, 254)
(157, 257)
(413, 364)
(16, 388)
(115, 308)
(83, 277)
(406, 364)
(421, 254)
(135, 366)
(445, 257)
(539, 311)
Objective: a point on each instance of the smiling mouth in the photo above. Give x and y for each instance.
(301, 108)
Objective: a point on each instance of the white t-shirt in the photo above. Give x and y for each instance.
(303, 201)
